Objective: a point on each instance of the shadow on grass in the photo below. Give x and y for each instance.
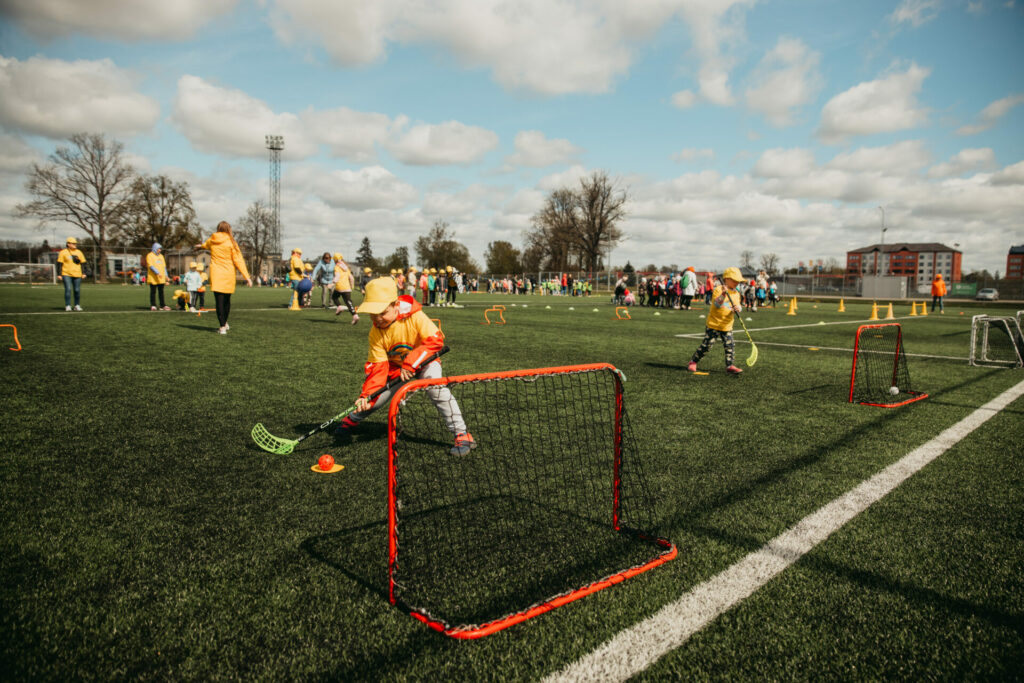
(878, 582)
(201, 328)
(752, 486)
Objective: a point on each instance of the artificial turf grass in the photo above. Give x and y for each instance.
(187, 551)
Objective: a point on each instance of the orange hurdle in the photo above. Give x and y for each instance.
(438, 322)
(487, 318)
(619, 310)
(15, 336)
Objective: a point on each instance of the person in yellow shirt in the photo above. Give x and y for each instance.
(401, 339)
(343, 283)
(71, 259)
(725, 302)
(296, 271)
(156, 276)
(225, 259)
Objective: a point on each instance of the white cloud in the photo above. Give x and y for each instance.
(915, 12)
(684, 99)
(450, 142)
(534, 149)
(787, 77)
(123, 19)
(991, 114)
(1011, 175)
(18, 156)
(687, 155)
(350, 134)
(714, 26)
(907, 156)
(784, 163)
(879, 106)
(232, 123)
(372, 187)
(964, 161)
(55, 98)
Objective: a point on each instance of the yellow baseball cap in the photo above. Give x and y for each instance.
(71, 240)
(200, 265)
(367, 270)
(192, 264)
(380, 293)
(337, 256)
(733, 274)
(296, 250)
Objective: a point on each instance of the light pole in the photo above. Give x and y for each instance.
(882, 209)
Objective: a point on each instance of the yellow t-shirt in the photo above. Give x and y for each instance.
(156, 269)
(395, 341)
(297, 267)
(67, 263)
(721, 315)
(342, 277)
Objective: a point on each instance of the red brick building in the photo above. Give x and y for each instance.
(1015, 263)
(920, 260)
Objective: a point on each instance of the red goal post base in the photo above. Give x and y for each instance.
(668, 550)
(915, 396)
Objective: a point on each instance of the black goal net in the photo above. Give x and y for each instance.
(550, 505)
(879, 376)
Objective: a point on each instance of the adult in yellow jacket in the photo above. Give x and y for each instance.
(938, 292)
(725, 302)
(225, 259)
(156, 276)
(71, 259)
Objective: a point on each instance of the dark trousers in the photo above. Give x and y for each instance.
(153, 291)
(337, 296)
(223, 301)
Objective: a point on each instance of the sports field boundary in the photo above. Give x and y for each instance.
(635, 649)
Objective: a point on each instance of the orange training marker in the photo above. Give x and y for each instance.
(18, 343)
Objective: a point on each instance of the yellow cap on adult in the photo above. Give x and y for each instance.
(296, 250)
(71, 240)
(380, 293)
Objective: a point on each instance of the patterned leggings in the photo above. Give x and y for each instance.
(709, 340)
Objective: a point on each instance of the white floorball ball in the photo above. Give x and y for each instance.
(894, 390)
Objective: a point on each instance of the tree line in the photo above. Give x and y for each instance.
(89, 185)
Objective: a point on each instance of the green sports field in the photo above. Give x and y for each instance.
(146, 537)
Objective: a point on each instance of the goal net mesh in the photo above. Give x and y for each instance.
(880, 376)
(28, 273)
(996, 341)
(551, 504)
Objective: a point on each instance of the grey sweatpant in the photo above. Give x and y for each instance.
(443, 400)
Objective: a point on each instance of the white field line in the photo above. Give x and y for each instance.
(638, 647)
(846, 350)
(690, 335)
(140, 311)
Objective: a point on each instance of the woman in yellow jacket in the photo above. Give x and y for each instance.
(225, 258)
(296, 271)
(938, 291)
(156, 276)
(71, 260)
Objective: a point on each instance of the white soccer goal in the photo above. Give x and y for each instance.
(29, 273)
(996, 341)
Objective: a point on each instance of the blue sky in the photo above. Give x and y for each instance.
(772, 127)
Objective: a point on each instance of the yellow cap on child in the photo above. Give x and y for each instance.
(380, 293)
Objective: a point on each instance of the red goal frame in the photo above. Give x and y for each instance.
(898, 357)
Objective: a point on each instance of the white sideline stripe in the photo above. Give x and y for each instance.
(638, 647)
(690, 335)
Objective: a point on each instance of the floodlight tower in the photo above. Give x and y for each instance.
(275, 143)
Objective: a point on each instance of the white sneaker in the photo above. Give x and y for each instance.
(67, 308)
(152, 308)
(223, 330)
(77, 307)
(227, 326)
(355, 319)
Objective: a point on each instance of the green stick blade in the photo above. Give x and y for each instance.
(753, 355)
(271, 443)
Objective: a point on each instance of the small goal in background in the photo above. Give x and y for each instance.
(552, 505)
(996, 341)
(880, 376)
(29, 273)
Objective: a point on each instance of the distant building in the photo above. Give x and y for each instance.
(1015, 263)
(920, 260)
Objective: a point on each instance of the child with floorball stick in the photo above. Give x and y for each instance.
(725, 302)
(401, 339)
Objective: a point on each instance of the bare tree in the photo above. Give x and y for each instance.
(256, 232)
(770, 263)
(85, 184)
(601, 208)
(159, 210)
(576, 227)
(747, 258)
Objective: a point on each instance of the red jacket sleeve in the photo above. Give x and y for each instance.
(415, 358)
(376, 377)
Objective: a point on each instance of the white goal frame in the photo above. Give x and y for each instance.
(980, 325)
(28, 272)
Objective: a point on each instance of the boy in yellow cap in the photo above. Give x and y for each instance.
(725, 301)
(71, 259)
(401, 339)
